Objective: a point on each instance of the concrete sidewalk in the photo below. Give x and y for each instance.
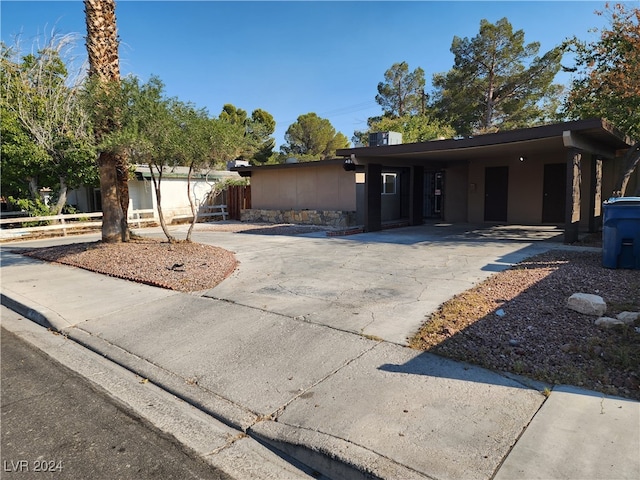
(344, 404)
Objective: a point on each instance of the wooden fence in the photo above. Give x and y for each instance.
(238, 198)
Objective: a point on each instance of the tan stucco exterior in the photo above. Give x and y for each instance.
(304, 187)
(456, 193)
(525, 188)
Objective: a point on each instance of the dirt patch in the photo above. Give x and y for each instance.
(517, 321)
(182, 266)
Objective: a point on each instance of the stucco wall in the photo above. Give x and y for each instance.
(456, 193)
(323, 187)
(174, 195)
(525, 186)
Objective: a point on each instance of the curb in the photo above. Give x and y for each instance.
(328, 455)
(234, 453)
(332, 457)
(39, 314)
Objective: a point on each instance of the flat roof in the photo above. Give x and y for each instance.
(597, 135)
(246, 171)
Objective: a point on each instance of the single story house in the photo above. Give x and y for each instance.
(173, 188)
(553, 174)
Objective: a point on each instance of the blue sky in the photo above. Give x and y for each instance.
(292, 58)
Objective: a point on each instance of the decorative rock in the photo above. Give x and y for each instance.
(587, 304)
(628, 317)
(338, 218)
(500, 312)
(608, 322)
(513, 342)
(632, 382)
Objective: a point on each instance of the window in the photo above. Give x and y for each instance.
(389, 183)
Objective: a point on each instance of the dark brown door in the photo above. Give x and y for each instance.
(496, 187)
(554, 193)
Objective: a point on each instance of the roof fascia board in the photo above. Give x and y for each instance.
(278, 166)
(487, 140)
(573, 140)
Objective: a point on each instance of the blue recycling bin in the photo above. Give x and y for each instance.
(621, 233)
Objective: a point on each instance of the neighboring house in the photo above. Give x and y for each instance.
(173, 189)
(523, 176)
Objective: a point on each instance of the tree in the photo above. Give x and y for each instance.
(47, 137)
(22, 158)
(228, 141)
(148, 131)
(497, 82)
(104, 68)
(402, 92)
(231, 114)
(258, 144)
(260, 128)
(166, 132)
(607, 83)
(313, 138)
(196, 135)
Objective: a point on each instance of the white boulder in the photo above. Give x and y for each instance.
(628, 317)
(608, 322)
(587, 303)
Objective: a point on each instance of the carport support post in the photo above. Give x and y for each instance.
(416, 196)
(595, 197)
(574, 180)
(373, 197)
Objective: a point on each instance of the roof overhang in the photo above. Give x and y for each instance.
(247, 171)
(142, 172)
(595, 136)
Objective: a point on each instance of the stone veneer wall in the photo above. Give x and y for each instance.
(330, 218)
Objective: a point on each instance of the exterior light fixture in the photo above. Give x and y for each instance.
(349, 165)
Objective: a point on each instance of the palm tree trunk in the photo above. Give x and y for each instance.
(104, 65)
(111, 211)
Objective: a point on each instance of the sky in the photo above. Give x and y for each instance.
(294, 57)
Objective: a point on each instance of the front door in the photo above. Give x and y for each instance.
(433, 194)
(554, 193)
(496, 188)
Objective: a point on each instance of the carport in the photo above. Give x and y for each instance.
(554, 174)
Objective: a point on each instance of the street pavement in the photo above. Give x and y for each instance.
(302, 348)
(56, 423)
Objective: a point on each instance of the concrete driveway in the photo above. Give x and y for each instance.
(380, 284)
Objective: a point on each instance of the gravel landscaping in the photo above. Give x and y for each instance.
(517, 321)
(181, 266)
